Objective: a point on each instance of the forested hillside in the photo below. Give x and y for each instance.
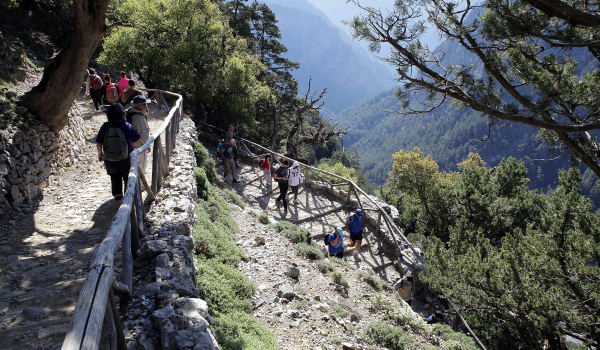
(328, 55)
(449, 133)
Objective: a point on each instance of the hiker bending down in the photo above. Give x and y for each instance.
(137, 117)
(114, 143)
(281, 175)
(295, 179)
(265, 165)
(354, 225)
(406, 287)
(336, 243)
(228, 152)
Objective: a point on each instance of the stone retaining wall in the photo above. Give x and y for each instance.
(166, 311)
(31, 154)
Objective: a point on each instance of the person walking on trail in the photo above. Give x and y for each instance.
(265, 165)
(281, 176)
(123, 83)
(229, 132)
(406, 288)
(137, 116)
(114, 144)
(294, 180)
(130, 93)
(227, 153)
(109, 91)
(95, 88)
(336, 243)
(354, 225)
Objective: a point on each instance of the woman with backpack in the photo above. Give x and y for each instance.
(114, 144)
(123, 83)
(95, 88)
(109, 91)
(265, 165)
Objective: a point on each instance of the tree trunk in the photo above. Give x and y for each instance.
(275, 111)
(52, 98)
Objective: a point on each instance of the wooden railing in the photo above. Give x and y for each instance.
(95, 320)
(353, 188)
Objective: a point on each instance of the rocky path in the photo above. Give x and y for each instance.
(46, 246)
(321, 314)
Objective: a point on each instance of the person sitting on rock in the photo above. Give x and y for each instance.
(137, 116)
(114, 144)
(336, 243)
(435, 317)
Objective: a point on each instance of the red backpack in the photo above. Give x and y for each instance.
(95, 81)
(112, 93)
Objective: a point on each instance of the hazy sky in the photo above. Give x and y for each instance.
(338, 11)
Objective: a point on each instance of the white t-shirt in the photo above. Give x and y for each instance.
(294, 177)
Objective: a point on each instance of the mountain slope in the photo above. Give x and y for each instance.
(328, 55)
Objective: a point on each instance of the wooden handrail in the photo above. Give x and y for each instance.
(86, 328)
(392, 228)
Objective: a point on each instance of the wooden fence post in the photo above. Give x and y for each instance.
(155, 165)
(139, 209)
(108, 339)
(168, 144)
(121, 344)
(127, 257)
(349, 192)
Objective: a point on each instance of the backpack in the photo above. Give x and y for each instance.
(326, 239)
(115, 146)
(112, 93)
(220, 147)
(95, 81)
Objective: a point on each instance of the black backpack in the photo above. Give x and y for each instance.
(115, 145)
(326, 239)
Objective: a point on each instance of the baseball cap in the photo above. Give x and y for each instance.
(140, 99)
(339, 230)
(359, 213)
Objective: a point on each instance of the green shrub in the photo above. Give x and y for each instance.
(325, 266)
(240, 331)
(339, 279)
(371, 280)
(309, 251)
(264, 218)
(234, 198)
(224, 288)
(201, 183)
(291, 231)
(388, 336)
(205, 161)
(341, 262)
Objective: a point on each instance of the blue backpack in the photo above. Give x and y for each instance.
(220, 147)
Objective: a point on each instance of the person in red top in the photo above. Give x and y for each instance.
(265, 165)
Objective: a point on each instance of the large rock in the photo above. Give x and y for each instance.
(269, 298)
(204, 341)
(194, 304)
(185, 242)
(151, 248)
(285, 291)
(293, 272)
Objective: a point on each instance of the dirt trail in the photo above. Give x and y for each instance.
(46, 246)
(321, 315)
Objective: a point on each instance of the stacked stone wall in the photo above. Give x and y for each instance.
(31, 155)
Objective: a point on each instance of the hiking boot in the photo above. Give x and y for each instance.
(236, 181)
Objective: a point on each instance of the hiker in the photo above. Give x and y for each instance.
(435, 317)
(114, 143)
(229, 132)
(265, 165)
(186, 111)
(406, 287)
(109, 91)
(295, 179)
(130, 93)
(228, 153)
(281, 176)
(95, 88)
(354, 225)
(137, 117)
(122, 83)
(336, 243)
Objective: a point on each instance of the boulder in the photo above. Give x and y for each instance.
(285, 291)
(293, 272)
(151, 248)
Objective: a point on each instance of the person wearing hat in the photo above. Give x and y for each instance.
(336, 243)
(354, 225)
(294, 179)
(228, 154)
(281, 176)
(137, 116)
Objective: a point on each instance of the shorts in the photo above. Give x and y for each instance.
(228, 164)
(339, 255)
(356, 236)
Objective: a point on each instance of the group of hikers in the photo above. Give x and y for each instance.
(125, 130)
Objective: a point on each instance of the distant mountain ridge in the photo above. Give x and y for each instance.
(328, 55)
